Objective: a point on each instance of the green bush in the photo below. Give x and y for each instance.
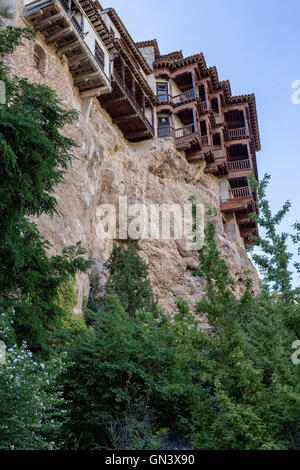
(119, 365)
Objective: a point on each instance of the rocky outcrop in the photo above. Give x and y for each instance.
(107, 167)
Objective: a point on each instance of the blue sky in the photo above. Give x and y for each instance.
(256, 45)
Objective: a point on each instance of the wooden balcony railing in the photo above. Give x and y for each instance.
(186, 96)
(184, 131)
(205, 105)
(238, 133)
(166, 98)
(239, 165)
(204, 140)
(237, 193)
(219, 154)
(133, 102)
(165, 132)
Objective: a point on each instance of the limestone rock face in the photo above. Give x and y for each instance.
(107, 167)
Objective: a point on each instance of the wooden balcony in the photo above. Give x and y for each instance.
(217, 165)
(166, 132)
(126, 112)
(205, 141)
(204, 106)
(240, 201)
(188, 95)
(184, 131)
(239, 165)
(238, 193)
(219, 154)
(186, 137)
(235, 134)
(65, 29)
(164, 99)
(240, 168)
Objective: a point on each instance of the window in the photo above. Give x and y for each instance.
(112, 33)
(202, 93)
(215, 105)
(217, 140)
(163, 127)
(99, 54)
(37, 60)
(39, 57)
(203, 128)
(162, 92)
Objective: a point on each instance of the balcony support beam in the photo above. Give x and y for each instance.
(137, 134)
(86, 77)
(68, 47)
(76, 59)
(91, 93)
(51, 20)
(117, 100)
(54, 37)
(119, 120)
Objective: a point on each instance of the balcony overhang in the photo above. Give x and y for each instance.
(239, 134)
(187, 138)
(60, 29)
(239, 205)
(125, 112)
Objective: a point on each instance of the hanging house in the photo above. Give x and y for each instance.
(209, 124)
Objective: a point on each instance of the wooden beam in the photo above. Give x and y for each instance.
(86, 77)
(34, 11)
(137, 134)
(62, 32)
(123, 73)
(117, 100)
(76, 59)
(49, 21)
(68, 47)
(91, 93)
(243, 219)
(121, 119)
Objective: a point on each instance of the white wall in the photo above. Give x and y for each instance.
(90, 40)
(110, 24)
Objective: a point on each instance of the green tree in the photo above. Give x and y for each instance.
(34, 156)
(128, 279)
(275, 259)
(252, 386)
(126, 373)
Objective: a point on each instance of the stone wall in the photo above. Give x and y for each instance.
(106, 167)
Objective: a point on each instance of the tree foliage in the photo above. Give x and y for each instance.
(129, 280)
(34, 156)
